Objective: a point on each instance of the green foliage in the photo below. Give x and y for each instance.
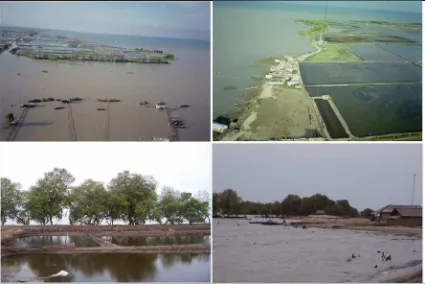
(366, 212)
(49, 195)
(228, 203)
(10, 199)
(138, 191)
(9, 117)
(129, 196)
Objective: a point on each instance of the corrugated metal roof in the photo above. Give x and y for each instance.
(389, 208)
(409, 212)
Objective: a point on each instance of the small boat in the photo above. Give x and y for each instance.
(158, 106)
(35, 101)
(114, 100)
(184, 106)
(75, 99)
(59, 107)
(100, 109)
(65, 101)
(161, 103)
(103, 100)
(143, 103)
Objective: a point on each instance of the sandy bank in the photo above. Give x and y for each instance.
(276, 112)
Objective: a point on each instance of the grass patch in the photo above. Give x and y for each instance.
(334, 52)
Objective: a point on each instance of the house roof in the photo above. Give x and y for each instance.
(408, 212)
(389, 208)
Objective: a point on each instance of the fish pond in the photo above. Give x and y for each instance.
(377, 110)
(156, 241)
(332, 122)
(39, 241)
(107, 267)
(373, 52)
(359, 73)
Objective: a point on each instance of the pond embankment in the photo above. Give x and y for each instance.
(11, 233)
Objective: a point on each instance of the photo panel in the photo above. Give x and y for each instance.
(317, 213)
(106, 212)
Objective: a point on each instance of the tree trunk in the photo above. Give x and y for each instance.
(51, 220)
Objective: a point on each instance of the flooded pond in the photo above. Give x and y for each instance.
(359, 72)
(154, 241)
(377, 110)
(107, 267)
(258, 253)
(39, 241)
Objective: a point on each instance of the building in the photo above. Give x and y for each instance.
(386, 211)
(410, 217)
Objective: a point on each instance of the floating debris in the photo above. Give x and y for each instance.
(143, 103)
(158, 139)
(18, 74)
(28, 105)
(100, 109)
(75, 99)
(35, 101)
(59, 107)
(108, 101)
(45, 71)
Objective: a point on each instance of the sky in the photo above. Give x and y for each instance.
(367, 175)
(186, 20)
(183, 166)
(389, 5)
(400, 6)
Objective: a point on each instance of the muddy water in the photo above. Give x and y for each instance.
(185, 81)
(258, 253)
(119, 267)
(154, 241)
(39, 241)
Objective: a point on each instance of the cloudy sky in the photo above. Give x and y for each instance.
(367, 175)
(160, 19)
(400, 6)
(184, 166)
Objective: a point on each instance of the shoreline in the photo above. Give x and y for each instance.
(247, 111)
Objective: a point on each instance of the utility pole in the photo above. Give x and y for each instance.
(413, 188)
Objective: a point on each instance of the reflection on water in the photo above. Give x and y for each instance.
(39, 241)
(258, 253)
(145, 241)
(108, 267)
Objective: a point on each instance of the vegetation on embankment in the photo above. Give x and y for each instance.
(128, 196)
(229, 203)
(334, 52)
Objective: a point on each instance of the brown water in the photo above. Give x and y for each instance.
(107, 267)
(259, 253)
(185, 81)
(39, 241)
(155, 241)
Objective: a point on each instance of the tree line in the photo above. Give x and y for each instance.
(129, 196)
(228, 203)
